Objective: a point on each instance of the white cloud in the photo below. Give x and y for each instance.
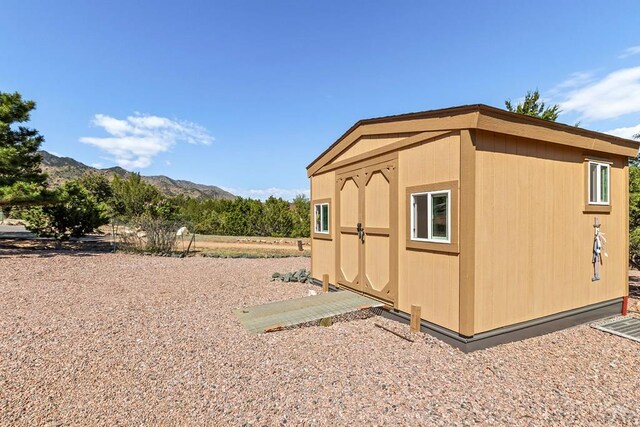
(579, 78)
(633, 50)
(627, 132)
(265, 193)
(136, 140)
(560, 91)
(615, 95)
(97, 165)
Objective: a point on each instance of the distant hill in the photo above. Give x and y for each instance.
(63, 169)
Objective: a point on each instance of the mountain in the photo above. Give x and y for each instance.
(63, 169)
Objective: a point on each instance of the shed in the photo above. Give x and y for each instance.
(482, 218)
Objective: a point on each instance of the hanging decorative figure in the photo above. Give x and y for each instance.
(598, 249)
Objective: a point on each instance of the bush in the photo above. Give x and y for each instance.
(154, 234)
(277, 218)
(132, 196)
(301, 214)
(274, 217)
(75, 213)
(634, 216)
(155, 227)
(634, 247)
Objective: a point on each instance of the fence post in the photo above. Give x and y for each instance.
(415, 318)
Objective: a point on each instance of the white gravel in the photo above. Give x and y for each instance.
(132, 340)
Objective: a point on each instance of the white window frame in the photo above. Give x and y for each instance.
(599, 165)
(430, 195)
(315, 225)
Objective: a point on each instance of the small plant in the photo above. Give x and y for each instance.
(302, 276)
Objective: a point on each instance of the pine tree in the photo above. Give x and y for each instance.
(21, 178)
(532, 106)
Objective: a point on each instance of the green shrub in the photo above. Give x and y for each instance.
(75, 213)
(634, 216)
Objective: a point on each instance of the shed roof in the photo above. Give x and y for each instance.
(478, 116)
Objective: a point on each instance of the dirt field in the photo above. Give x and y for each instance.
(248, 246)
(103, 339)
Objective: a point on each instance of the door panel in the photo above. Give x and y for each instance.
(348, 247)
(380, 223)
(350, 262)
(349, 209)
(376, 200)
(377, 262)
(367, 262)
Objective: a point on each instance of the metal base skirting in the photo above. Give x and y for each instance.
(515, 332)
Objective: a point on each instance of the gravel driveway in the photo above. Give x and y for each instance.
(131, 340)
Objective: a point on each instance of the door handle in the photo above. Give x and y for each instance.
(360, 232)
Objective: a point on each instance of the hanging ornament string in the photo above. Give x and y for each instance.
(599, 241)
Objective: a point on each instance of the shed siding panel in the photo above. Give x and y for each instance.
(533, 241)
(428, 279)
(323, 251)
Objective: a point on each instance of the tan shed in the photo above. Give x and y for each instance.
(482, 218)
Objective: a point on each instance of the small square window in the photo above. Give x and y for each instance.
(321, 212)
(431, 216)
(598, 175)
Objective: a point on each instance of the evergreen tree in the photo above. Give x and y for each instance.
(98, 185)
(132, 196)
(277, 217)
(21, 178)
(532, 106)
(301, 213)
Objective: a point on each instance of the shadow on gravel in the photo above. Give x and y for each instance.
(48, 248)
(43, 254)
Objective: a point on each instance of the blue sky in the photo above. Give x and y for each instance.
(244, 94)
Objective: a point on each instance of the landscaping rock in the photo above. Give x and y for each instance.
(114, 339)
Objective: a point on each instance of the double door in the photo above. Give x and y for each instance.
(366, 232)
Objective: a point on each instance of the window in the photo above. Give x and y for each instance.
(321, 212)
(598, 183)
(431, 216)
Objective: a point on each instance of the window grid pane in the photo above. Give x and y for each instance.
(593, 183)
(439, 207)
(317, 217)
(325, 218)
(420, 216)
(599, 176)
(604, 183)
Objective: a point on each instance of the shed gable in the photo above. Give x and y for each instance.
(367, 143)
(350, 145)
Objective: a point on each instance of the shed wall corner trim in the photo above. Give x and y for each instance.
(467, 231)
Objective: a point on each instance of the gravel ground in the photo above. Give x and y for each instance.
(132, 340)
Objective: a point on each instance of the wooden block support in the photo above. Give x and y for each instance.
(415, 318)
(325, 283)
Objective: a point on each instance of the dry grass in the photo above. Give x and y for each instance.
(253, 253)
(292, 241)
(247, 247)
